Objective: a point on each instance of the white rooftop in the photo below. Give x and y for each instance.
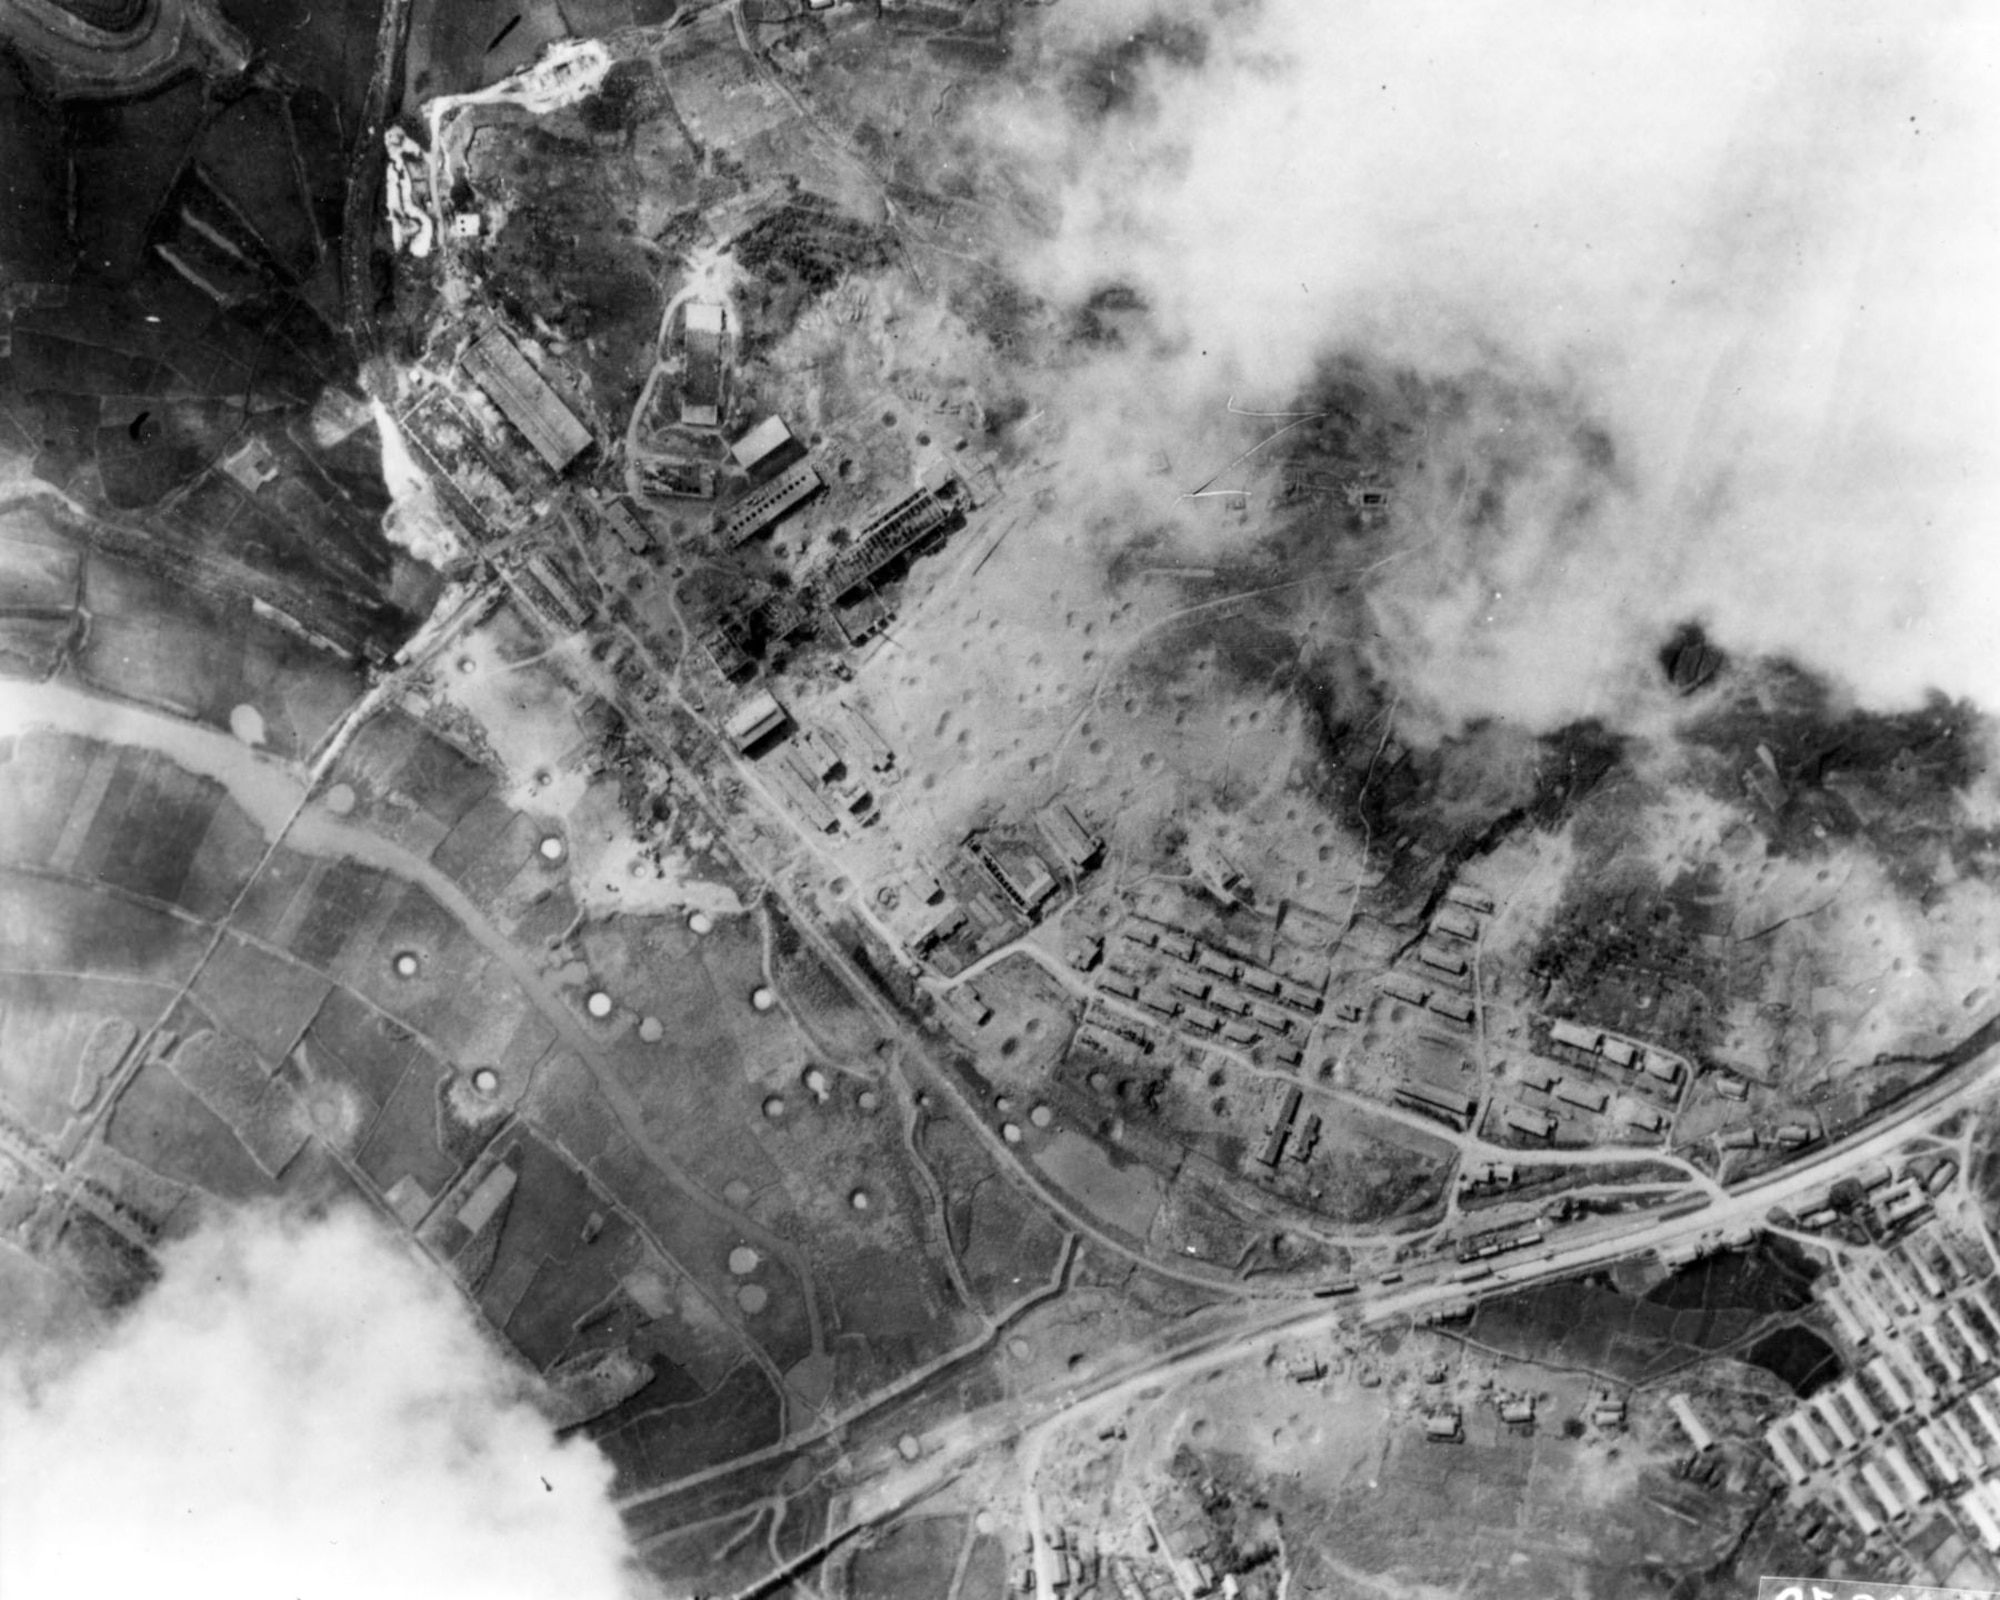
(760, 441)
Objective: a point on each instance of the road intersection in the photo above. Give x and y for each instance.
(1097, 1395)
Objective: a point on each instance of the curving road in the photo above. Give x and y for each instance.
(1097, 1395)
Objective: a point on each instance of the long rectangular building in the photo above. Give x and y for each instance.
(554, 593)
(1850, 1391)
(524, 397)
(631, 533)
(1281, 1128)
(889, 534)
(1794, 1468)
(701, 379)
(1863, 1518)
(1979, 1301)
(1973, 1506)
(1452, 1107)
(1912, 1487)
(1975, 1346)
(1890, 1383)
(763, 506)
(1932, 1444)
(1983, 1411)
(1809, 1436)
(1575, 1035)
(1919, 1381)
(1878, 1486)
(1941, 1353)
(1959, 1436)
(1851, 1326)
(1535, 1124)
(1900, 1294)
(1583, 1097)
(1921, 1268)
(1823, 1406)
(1691, 1425)
(1869, 1306)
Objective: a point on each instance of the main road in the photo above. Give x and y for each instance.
(1237, 1332)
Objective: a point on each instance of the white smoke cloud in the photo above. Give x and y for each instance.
(296, 1409)
(1757, 246)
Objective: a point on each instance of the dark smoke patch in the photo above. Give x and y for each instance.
(812, 243)
(1688, 661)
(1426, 812)
(1111, 80)
(1817, 774)
(1109, 317)
(623, 100)
(1630, 952)
(1290, 616)
(1358, 425)
(1009, 317)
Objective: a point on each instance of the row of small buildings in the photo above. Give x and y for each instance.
(1439, 977)
(485, 490)
(1453, 1107)
(1001, 881)
(844, 586)
(526, 399)
(1209, 994)
(1892, 1207)
(1944, 1462)
(1916, 1422)
(1117, 1036)
(1303, 1143)
(1593, 1048)
(1445, 1424)
(1427, 992)
(1630, 1111)
(1927, 1269)
(1564, 1084)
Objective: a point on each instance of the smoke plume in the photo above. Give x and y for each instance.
(1719, 280)
(299, 1410)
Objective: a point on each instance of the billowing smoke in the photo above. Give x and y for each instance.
(1718, 283)
(296, 1409)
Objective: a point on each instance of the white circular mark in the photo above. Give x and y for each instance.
(247, 723)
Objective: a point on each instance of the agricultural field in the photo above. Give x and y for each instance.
(1069, 1012)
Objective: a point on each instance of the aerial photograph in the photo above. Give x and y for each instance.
(999, 799)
